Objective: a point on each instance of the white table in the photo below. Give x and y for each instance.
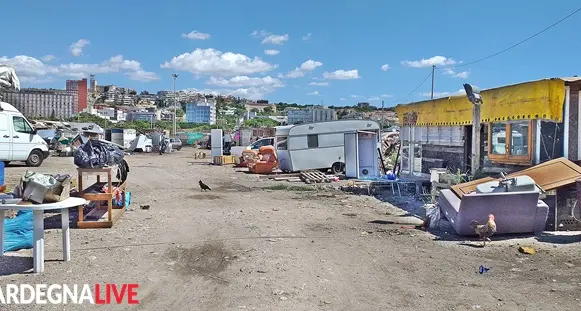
(38, 211)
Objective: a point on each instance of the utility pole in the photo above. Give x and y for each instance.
(433, 71)
(382, 113)
(475, 98)
(175, 96)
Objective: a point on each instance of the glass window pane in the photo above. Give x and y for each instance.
(498, 138)
(519, 139)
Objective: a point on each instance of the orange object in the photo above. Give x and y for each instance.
(248, 156)
(267, 162)
(2, 188)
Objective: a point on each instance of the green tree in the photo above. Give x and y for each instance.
(260, 122)
(267, 111)
(132, 92)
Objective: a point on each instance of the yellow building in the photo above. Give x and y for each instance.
(522, 125)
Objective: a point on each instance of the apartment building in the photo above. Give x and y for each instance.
(203, 111)
(311, 114)
(44, 103)
(80, 87)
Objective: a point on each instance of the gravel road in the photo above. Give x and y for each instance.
(244, 247)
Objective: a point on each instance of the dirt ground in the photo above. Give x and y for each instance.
(243, 247)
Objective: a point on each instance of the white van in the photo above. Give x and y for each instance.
(18, 139)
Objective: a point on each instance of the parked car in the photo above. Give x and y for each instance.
(18, 139)
(176, 143)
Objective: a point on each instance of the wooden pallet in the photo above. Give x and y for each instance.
(310, 177)
(102, 216)
(224, 160)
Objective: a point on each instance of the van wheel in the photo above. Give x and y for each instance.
(338, 167)
(34, 159)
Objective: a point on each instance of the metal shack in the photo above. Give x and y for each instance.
(522, 125)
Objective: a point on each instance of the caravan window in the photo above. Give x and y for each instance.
(313, 141)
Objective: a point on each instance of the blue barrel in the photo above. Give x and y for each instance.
(1, 173)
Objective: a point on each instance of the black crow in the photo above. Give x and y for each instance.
(204, 187)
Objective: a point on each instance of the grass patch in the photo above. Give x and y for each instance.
(290, 188)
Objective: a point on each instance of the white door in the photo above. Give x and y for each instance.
(367, 154)
(351, 155)
(22, 138)
(217, 143)
(5, 137)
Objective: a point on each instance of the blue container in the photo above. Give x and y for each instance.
(1, 173)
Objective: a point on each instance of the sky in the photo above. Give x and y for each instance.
(337, 52)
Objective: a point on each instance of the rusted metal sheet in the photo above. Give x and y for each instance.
(549, 175)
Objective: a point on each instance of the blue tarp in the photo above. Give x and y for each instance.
(18, 231)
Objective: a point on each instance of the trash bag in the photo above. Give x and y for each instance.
(97, 154)
(434, 215)
(18, 231)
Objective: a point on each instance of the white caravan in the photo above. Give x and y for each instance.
(18, 139)
(317, 146)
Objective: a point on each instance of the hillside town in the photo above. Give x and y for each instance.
(372, 189)
(120, 105)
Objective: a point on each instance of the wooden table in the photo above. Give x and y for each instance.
(38, 235)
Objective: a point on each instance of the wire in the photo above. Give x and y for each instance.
(515, 45)
(410, 93)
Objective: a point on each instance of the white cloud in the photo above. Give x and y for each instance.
(342, 74)
(380, 97)
(310, 65)
(385, 67)
(142, 75)
(305, 67)
(217, 63)
(354, 96)
(271, 52)
(270, 38)
(275, 39)
(245, 81)
(259, 33)
(445, 94)
(35, 71)
(47, 58)
(196, 35)
(77, 47)
(307, 37)
(433, 61)
(462, 74)
(319, 83)
(342, 98)
(315, 93)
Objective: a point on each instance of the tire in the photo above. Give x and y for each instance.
(338, 167)
(179, 148)
(35, 158)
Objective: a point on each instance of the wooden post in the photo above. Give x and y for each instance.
(475, 139)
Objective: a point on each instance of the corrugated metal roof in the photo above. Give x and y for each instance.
(570, 79)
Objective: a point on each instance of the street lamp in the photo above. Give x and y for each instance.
(175, 76)
(473, 94)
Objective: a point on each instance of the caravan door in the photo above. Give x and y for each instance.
(352, 155)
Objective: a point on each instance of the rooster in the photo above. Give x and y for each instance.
(484, 231)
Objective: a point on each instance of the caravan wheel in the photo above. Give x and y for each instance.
(338, 167)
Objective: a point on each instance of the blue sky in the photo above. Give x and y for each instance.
(328, 51)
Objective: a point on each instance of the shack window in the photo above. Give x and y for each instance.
(313, 141)
(510, 142)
